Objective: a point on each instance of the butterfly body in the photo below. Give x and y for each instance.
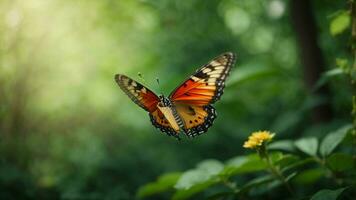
(169, 113)
(188, 108)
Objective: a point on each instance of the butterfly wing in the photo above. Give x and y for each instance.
(138, 93)
(193, 98)
(197, 119)
(159, 121)
(147, 100)
(206, 85)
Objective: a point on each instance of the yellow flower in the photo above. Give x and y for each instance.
(256, 139)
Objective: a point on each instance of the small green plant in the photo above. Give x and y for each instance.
(280, 165)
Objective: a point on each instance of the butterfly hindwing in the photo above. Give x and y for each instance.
(159, 121)
(138, 93)
(206, 85)
(197, 119)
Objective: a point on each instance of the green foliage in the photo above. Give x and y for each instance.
(283, 168)
(286, 145)
(309, 176)
(340, 162)
(340, 23)
(328, 194)
(210, 173)
(214, 174)
(308, 145)
(333, 139)
(187, 193)
(341, 63)
(164, 183)
(243, 164)
(205, 171)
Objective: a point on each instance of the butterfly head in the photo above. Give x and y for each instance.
(164, 101)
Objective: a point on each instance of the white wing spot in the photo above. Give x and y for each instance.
(195, 78)
(206, 70)
(214, 63)
(217, 71)
(126, 81)
(144, 90)
(215, 75)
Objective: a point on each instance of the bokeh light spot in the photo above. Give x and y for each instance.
(237, 20)
(259, 41)
(275, 9)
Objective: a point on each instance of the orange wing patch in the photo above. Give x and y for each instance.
(197, 119)
(138, 93)
(207, 84)
(195, 92)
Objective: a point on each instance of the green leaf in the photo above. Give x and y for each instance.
(340, 161)
(257, 182)
(308, 145)
(291, 176)
(286, 145)
(204, 172)
(196, 180)
(286, 160)
(196, 188)
(327, 194)
(340, 23)
(243, 164)
(342, 63)
(329, 74)
(220, 195)
(264, 184)
(265, 188)
(333, 139)
(163, 183)
(298, 164)
(247, 164)
(309, 176)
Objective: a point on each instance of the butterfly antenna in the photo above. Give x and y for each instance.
(159, 87)
(141, 78)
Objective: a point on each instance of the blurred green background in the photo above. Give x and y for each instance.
(69, 132)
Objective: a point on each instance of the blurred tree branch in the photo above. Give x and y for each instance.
(310, 55)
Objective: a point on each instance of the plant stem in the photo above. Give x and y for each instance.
(353, 51)
(275, 171)
(231, 185)
(327, 168)
(353, 68)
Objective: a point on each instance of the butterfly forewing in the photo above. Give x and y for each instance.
(138, 93)
(206, 85)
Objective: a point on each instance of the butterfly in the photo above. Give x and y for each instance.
(189, 107)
